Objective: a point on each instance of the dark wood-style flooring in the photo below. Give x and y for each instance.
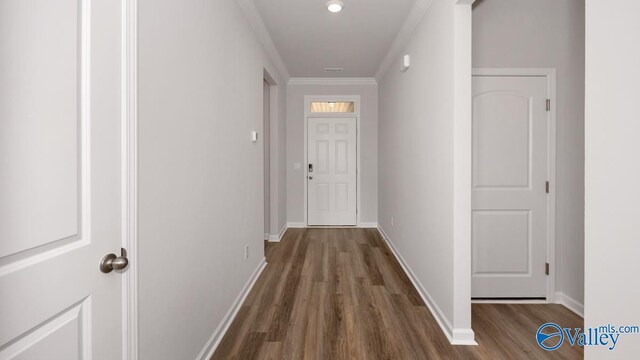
(341, 294)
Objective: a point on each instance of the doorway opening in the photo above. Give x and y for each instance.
(269, 105)
(266, 144)
(332, 161)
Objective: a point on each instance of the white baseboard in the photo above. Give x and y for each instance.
(509, 301)
(278, 237)
(218, 334)
(364, 225)
(463, 337)
(296, 225)
(570, 303)
(368, 225)
(455, 336)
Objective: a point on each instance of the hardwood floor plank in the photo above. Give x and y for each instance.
(281, 318)
(392, 324)
(341, 294)
(313, 348)
(375, 340)
(398, 272)
(251, 346)
(270, 351)
(294, 344)
(373, 271)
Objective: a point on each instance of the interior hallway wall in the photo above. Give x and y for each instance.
(200, 175)
(547, 33)
(612, 231)
(368, 147)
(420, 203)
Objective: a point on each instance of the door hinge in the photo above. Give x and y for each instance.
(548, 104)
(546, 269)
(546, 187)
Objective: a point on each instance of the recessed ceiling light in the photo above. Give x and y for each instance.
(335, 6)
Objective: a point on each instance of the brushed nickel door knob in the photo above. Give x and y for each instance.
(112, 262)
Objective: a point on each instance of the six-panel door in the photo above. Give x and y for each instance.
(331, 171)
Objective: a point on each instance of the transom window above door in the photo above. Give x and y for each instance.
(332, 107)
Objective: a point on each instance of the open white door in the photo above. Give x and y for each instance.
(60, 185)
(331, 171)
(509, 200)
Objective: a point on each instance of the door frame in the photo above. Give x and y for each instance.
(550, 75)
(308, 114)
(129, 176)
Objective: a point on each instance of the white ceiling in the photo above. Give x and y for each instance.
(309, 38)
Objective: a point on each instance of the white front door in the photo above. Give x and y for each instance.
(509, 200)
(60, 207)
(331, 171)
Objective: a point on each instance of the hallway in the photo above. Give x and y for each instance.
(308, 303)
(319, 179)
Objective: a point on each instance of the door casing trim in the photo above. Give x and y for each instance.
(550, 75)
(307, 114)
(129, 176)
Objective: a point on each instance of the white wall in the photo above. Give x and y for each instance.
(547, 33)
(200, 176)
(368, 147)
(612, 234)
(418, 132)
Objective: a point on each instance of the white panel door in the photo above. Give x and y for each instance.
(60, 207)
(331, 171)
(509, 200)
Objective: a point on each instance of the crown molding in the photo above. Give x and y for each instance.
(254, 18)
(416, 14)
(332, 81)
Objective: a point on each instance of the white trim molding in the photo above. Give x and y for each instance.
(218, 334)
(416, 14)
(570, 303)
(333, 81)
(509, 301)
(254, 19)
(462, 165)
(129, 177)
(296, 225)
(455, 336)
(368, 225)
(278, 237)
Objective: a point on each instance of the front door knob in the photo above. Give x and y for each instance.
(112, 262)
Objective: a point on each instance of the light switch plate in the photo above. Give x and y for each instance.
(254, 136)
(406, 63)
